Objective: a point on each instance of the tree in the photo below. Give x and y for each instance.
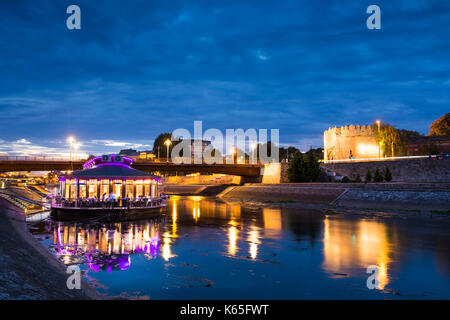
(387, 174)
(358, 178)
(377, 177)
(52, 177)
(368, 175)
(286, 153)
(346, 179)
(297, 167)
(392, 141)
(303, 168)
(268, 146)
(318, 153)
(159, 147)
(441, 126)
(312, 166)
(387, 137)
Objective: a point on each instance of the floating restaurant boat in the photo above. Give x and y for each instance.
(107, 185)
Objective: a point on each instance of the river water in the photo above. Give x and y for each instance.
(204, 248)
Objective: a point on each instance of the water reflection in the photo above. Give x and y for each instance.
(232, 238)
(263, 250)
(105, 247)
(272, 222)
(359, 244)
(253, 238)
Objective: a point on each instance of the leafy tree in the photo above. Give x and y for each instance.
(303, 168)
(392, 141)
(318, 153)
(358, 178)
(312, 166)
(52, 177)
(387, 137)
(368, 175)
(441, 126)
(387, 174)
(286, 153)
(159, 145)
(297, 168)
(269, 150)
(377, 177)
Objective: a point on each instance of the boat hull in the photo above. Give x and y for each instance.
(116, 214)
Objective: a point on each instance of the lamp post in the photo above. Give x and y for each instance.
(76, 146)
(71, 140)
(168, 143)
(253, 148)
(379, 140)
(233, 153)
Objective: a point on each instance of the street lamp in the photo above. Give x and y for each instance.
(253, 149)
(76, 146)
(379, 140)
(71, 140)
(233, 154)
(167, 143)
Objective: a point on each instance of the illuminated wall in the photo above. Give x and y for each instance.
(360, 140)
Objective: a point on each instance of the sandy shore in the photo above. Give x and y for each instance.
(27, 269)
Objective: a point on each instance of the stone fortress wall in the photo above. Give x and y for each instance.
(358, 140)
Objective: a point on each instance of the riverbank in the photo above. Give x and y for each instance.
(27, 269)
(428, 197)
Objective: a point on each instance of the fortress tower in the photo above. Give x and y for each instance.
(349, 141)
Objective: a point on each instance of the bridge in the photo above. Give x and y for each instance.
(27, 163)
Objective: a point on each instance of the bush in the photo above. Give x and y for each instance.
(387, 174)
(368, 176)
(297, 168)
(377, 177)
(358, 178)
(304, 168)
(345, 179)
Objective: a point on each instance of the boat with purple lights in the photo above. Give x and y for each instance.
(108, 186)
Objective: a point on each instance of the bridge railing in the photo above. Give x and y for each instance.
(39, 158)
(187, 162)
(382, 159)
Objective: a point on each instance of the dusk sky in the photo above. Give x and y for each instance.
(139, 68)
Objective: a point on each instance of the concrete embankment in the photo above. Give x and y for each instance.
(27, 269)
(406, 170)
(200, 190)
(422, 196)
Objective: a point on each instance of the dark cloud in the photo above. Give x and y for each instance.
(138, 68)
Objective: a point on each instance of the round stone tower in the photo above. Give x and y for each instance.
(350, 142)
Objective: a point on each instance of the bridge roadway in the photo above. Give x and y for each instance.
(40, 164)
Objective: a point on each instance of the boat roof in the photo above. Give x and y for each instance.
(111, 171)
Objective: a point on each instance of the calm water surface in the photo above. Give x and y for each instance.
(207, 249)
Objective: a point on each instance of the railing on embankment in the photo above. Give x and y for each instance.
(39, 158)
(20, 201)
(403, 170)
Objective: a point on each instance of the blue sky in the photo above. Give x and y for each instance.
(138, 68)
